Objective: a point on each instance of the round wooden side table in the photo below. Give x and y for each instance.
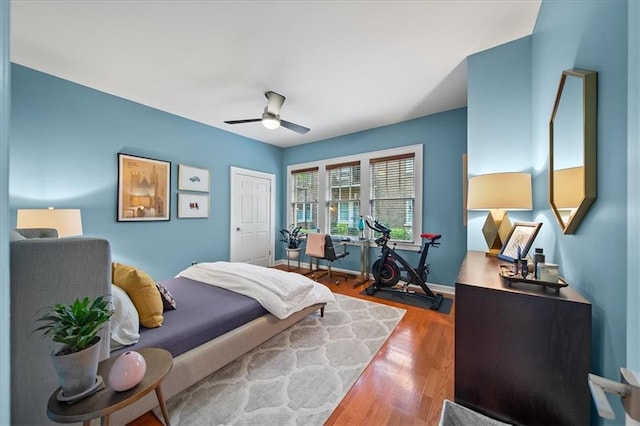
(107, 401)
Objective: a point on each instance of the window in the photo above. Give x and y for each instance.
(393, 194)
(385, 184)
(343, 186)
(305, 198)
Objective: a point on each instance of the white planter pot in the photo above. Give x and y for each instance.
(293, 254)
(77, 372)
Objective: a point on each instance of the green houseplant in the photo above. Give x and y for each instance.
(292, 238)
(76, 327)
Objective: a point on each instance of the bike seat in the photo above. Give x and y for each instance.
(431, 237)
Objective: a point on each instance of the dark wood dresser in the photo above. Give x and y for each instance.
(522, 353)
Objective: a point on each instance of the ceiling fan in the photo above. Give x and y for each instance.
(271, 115)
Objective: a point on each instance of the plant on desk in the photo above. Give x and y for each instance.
(76, 327)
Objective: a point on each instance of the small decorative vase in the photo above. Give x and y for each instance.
(127, 371)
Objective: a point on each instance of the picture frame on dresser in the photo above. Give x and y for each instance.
(521, 235)
(193, 206)
(193, 178)
(143, 189)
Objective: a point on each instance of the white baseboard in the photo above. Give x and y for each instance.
(436, 288)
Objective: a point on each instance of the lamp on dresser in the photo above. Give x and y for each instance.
(499, 192)
(68, 222)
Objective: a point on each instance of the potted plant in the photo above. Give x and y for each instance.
(76, 327)
(292, 238)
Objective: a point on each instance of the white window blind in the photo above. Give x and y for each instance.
(305, 198)
(343, 200)
(393, 195)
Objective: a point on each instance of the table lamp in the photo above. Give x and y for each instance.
(68, 222)
(499, 192)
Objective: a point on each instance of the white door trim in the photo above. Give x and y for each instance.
(235, 171)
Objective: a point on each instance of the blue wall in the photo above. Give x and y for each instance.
(65, 138)
(64, 144)
(499, 109)
(576, 34)
(633, 191)
(593, 36)
(5, 324)
(444, 140)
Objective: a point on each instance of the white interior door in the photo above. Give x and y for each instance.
(252, 211)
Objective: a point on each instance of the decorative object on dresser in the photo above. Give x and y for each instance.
(499, 192)
(519, 241)
(522, 355)
(143, 189)
(67, 222)
(193, 178)
(76, 326)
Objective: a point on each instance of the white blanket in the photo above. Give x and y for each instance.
(279, 292)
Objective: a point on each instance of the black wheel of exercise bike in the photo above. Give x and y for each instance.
(389, 275)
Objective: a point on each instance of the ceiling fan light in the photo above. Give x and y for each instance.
(271, 122)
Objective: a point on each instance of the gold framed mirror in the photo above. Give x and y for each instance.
(572, 148)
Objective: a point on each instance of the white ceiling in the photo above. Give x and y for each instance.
(344, 66)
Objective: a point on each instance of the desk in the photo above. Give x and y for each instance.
(107, 401)
(365, 261)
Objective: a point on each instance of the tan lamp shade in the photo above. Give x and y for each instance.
(498, 192)
(568, 187)
(68, 222)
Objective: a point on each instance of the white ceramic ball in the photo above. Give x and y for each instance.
(127, 371)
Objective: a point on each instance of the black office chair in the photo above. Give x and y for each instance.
(330, 255)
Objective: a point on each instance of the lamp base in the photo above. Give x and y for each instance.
(496, 230)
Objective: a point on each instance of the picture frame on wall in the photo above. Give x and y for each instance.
(193, 178)
(193, 206)
(521, 235)
(143, 189)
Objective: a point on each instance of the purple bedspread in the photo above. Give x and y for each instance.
(203, 312)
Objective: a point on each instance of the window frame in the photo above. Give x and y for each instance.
(363, 158)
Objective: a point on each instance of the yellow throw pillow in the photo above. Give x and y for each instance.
(143, 292)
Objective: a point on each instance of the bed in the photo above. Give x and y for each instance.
(214, 323)
(47, 270)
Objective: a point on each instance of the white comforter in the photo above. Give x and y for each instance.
(279, 292)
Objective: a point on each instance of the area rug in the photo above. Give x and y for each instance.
(412, 300)
(296, 378)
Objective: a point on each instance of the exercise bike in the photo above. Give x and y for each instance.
(387, 272)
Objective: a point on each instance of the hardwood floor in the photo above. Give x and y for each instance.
(406, 381)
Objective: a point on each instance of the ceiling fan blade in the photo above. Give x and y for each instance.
(275, 102)
(248, 120)
(295, 127)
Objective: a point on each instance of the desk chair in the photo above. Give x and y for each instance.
(321, 247)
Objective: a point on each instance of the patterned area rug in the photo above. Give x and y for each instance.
(296, 378)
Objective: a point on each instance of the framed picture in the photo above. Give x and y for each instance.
(143, 189)
(193, 179)
(191, 206)
(522, 235)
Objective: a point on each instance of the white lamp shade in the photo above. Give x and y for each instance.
(68, 222)
(506, 191)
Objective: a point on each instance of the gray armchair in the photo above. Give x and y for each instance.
(46, 270)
